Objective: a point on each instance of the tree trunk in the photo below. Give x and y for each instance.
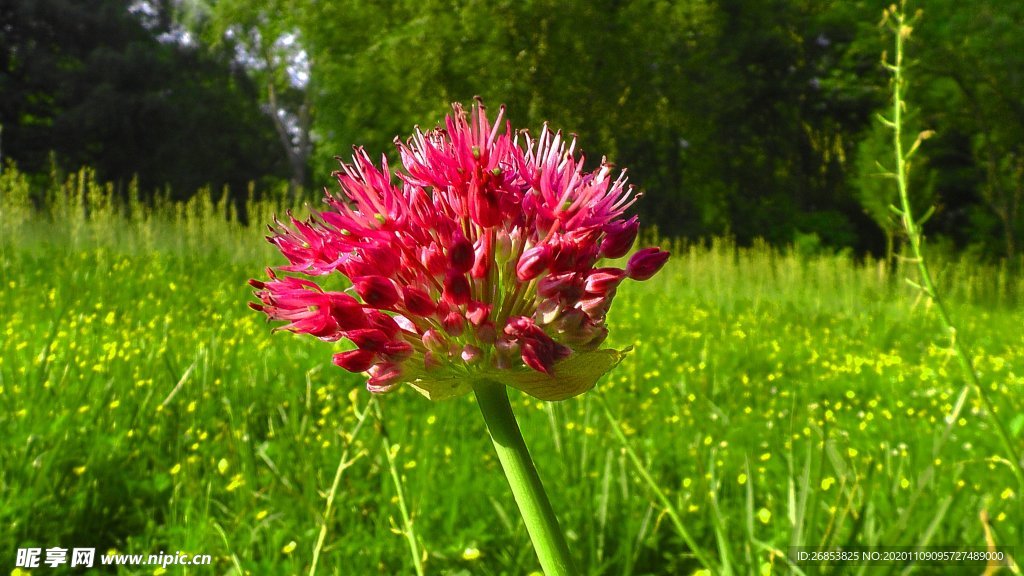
(297, 152)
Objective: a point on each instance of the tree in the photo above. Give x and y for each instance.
(126, 93)
(266, 42)
(970, 61)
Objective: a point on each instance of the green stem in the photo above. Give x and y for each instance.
(670, 509)
(343, 464)
(527, 489)
(913, 229)
(407, 524)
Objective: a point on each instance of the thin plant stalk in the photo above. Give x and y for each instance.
(670, 509)
(527, 489)
(343, 464)
(407, 524)
(913, 229)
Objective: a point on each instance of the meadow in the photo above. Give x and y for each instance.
(775, 398)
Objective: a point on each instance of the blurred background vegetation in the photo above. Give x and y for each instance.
(747, 119)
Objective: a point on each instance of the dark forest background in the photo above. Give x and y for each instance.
(749, 119)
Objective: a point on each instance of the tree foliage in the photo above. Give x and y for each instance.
(753, 119)
(971, 61)
(99, 85)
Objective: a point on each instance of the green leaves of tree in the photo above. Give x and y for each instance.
(120, 91)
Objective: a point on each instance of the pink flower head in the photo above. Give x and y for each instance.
(480, 259)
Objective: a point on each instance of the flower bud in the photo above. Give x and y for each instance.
(604, 280)
(548, 311)
(566, 286)
(383, 322)
(522, 327)
(483, 257)
(598, 335)
(502, 246)
(377, 291)
(368, 339)
(538, 350)
(619, 237)
(471, 354)
(341, 301)
(321, 326)
(381, 258)
(357, 267)
(564, 256)
(346, 311)
(418, 301)
(453, 324)
(430, 361)
(397, 350)
(405, 324)
(597, 307)
(579, 331)
(355, 360)
(456, 288)
(434, 341)
(384, 376)
(571, 321)
(586, 257)
(533, 262)
(486, 333)
(506, 353)
(484, 207)
(433, 260)
(477, 312)
(535, 356)
(460, 255)
(646, 263)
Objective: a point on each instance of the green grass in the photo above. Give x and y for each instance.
(776, 399)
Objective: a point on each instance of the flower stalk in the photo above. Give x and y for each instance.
(408, 531)
(902, 28)
(527, 489)
(343, 464)
(670, 510)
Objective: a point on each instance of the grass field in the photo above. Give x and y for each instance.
(776, 399)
